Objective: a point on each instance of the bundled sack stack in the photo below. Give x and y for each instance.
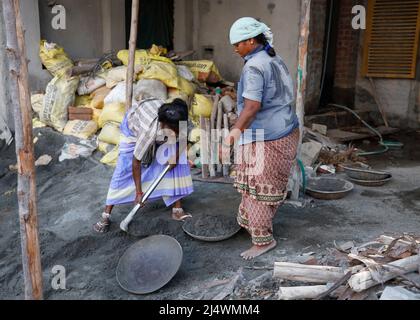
(93, 102)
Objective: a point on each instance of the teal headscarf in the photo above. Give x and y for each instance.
(247, 28)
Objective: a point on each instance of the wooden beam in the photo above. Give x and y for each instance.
(132, 52)
(364, 279)
(305, 15)
(26, 190)
(307, 273)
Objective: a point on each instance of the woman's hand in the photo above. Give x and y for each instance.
(229, 140)
(172, 162)
(139, 198)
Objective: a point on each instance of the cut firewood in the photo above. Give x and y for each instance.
(218, 132)
(307, 273)
(204, 154)
(337, 285)
(301, 292)
(364, 279)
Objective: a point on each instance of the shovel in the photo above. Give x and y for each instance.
(124, 224)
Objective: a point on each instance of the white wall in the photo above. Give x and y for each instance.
(210, 24)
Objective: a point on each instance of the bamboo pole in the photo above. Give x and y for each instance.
(305, 15)
(26, 190)
(132, 52)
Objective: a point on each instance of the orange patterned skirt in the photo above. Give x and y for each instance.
(262, 176)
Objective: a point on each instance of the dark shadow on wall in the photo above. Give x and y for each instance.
(156, 23)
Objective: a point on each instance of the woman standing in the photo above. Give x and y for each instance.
(267, 130)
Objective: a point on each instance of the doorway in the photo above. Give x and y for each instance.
(156, 23)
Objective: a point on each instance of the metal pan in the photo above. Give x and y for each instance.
(149, 264)
(328, 188)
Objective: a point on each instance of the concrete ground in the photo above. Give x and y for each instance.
(71, 196)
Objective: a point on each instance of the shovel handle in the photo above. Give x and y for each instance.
(124, 224)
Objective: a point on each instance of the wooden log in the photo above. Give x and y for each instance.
(208, 146)
(307, 273)
(218, 134)
(26, 189)
(364, 280)
(204, 156)
(305, 15)
(301, 292)
(131, 53)
(213, 150)
(226, 158)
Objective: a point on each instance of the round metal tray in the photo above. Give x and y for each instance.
(149, 264)
(328, 188)
(371, 183)
(228, 235)
(365, 174)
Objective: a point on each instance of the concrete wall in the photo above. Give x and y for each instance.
(93, 27)
(209, 27)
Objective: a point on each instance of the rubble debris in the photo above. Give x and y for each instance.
(43, 160)
(364, 269)
(322, 129)
(310, 152)
(398, 293)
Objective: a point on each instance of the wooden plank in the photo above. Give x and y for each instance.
(26, 189)
(345, 136)
(204, 151)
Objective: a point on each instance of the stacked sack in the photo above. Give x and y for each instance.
(155, 76)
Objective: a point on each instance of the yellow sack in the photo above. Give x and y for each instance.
(158, 50)
(176, 93)
(186, 86)
(37, 101)
(111, 157)
(98, 96)
(195, 135)
(105, 147)
(141, 57)
(96, 114)
(59, 95)
(165, 72)
(201, 106)
(36, 123)
(203, 70)
(112, 112)
(82, 100)
(110, 133)
(115, 75)
(80, 128)
(54, 58)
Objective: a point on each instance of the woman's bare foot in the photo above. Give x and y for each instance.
(256, 251)
(178, 214)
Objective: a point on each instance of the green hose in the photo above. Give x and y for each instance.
(386, 144)
(302, 170)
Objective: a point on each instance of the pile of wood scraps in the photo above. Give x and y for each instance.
(357, 273)
(213, 132)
